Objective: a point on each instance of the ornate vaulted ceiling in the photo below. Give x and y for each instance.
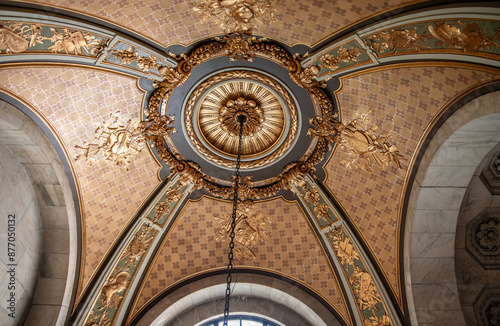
(346, 105)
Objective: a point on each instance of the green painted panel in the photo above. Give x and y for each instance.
(366, 293)
(111, 295)
(21, 37)
(471, 37)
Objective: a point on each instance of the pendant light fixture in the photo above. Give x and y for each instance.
(241, 119)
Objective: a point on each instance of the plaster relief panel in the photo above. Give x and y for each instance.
(483, 238)
(487, 307)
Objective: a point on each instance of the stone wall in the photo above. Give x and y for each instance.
(20, 239)
(443, 176)
(34, 186)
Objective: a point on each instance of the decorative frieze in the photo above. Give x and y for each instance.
(115, 287)
(27, 37)
(366, 293)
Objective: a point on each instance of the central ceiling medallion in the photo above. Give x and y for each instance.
(271, 119)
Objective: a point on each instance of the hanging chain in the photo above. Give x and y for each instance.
(233, 225)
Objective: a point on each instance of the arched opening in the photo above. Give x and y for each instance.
(241, 320)
(442, 178)
(202, 301)
(36, 190)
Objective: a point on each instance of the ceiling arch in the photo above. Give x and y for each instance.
(456, 149)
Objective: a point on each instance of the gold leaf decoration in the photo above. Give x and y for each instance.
(234, 15)
(249, 229)
(16, 37)
(130, 55)
(120, 142)
(331, 62)
(469, 38)
(72, 41)
(364, 146)
(396, 40)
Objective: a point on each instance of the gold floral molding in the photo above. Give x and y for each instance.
(396, 40)
(108, 302)
(18, 37)
(131, 55)
(320, 209)
(157, 127)
(464, 36)
(318, 205)
(364, 146)
(469, 38)
(358, 138)
(171, 198)
(366, 294)
(119, 141)
(234, 15)
(331, 62)
(249, 230)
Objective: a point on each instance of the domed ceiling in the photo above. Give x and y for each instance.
(141, 101)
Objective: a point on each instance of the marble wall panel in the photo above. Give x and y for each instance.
(447, 192)
(17, 198)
